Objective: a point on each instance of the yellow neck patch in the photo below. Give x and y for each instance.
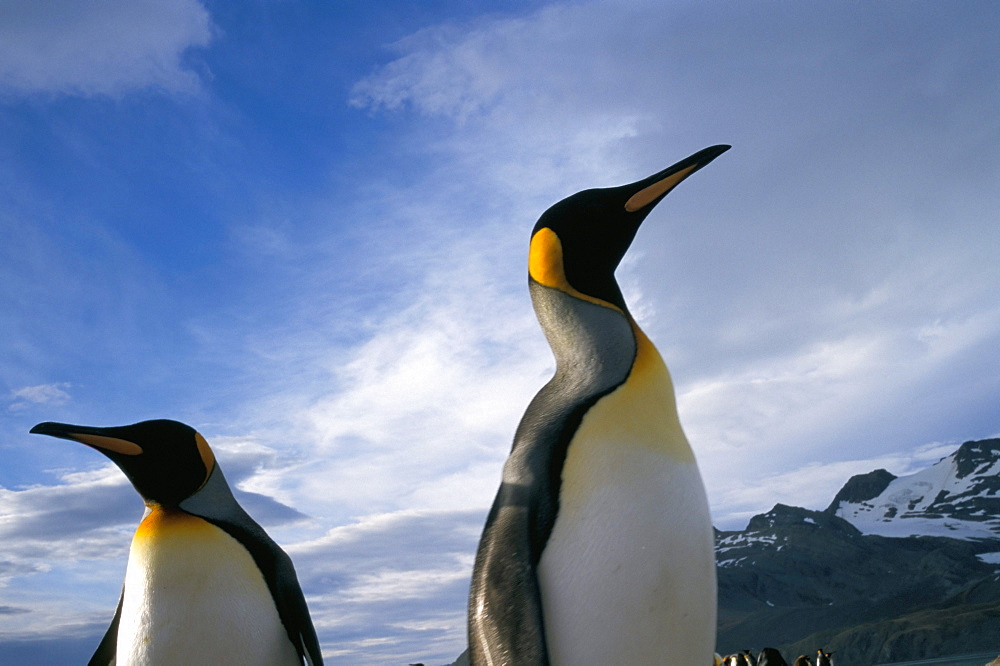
(160, 521)
(545, 266)
(642, 411)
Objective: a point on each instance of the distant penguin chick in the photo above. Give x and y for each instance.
(598, 548)
(204, 583)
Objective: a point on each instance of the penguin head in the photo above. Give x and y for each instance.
(577, 244)
(166, 461)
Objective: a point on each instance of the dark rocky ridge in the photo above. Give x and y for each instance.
(861, 488)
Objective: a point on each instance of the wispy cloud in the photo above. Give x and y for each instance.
(60, 543)
(105, 48)
(43, 394)
(814, 484)
(421, 413)
(393, 586)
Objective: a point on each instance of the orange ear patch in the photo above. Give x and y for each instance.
(545, 260)
(205, 451)
(545, 266)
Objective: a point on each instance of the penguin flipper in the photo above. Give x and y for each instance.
(295, 614)
(274, 563)
(106, 654)
(506, 621)
(279, 575)
(505, 607)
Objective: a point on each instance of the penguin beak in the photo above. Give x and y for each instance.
(649, 191)
(97, 438)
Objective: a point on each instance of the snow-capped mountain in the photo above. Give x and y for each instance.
(958, 497)
(894, 569)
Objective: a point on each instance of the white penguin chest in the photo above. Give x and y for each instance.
(194, 595)
(628, 573)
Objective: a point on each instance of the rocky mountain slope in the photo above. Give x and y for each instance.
(894, 569)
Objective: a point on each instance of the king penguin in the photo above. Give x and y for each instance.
(204, 583)
(598, 548)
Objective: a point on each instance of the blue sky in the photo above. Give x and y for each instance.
(301, 227)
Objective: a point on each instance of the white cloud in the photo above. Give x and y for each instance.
(105, 48)
(42, 394)
(773, 400)
(391, 588)
(814, 485)
(819, 408)
(79, 518)
(421, 413)
(537, 111)
(60, 543)
(557, 65)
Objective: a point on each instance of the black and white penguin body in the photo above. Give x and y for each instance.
(599, 545)
(204, 583)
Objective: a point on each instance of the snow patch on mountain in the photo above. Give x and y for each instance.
(958, 497)
(989, 558)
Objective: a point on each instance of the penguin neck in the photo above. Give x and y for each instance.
(214, 500)
(594, 345)
(600, 350)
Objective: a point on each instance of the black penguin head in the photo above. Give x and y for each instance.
(578, 243)
(165, 460)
